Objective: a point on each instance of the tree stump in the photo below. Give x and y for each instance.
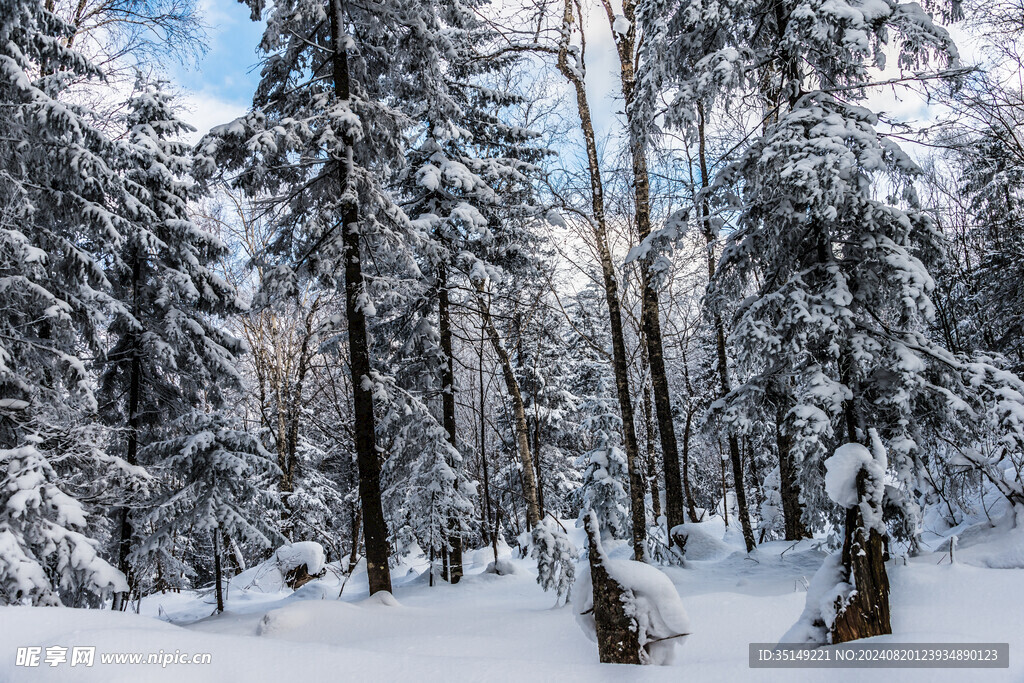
(617, 632)
(865, 613)
(299, 576)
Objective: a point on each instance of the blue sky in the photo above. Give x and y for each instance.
(219, 88)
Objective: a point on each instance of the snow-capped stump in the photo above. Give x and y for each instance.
(630, 609)
(291, 566)
(300, 562)
(849, 596)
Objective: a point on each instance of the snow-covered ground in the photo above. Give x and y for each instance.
(504, 628)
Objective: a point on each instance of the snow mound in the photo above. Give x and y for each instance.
(505, 568)
(655, 605)
(299, 618)
(380, 599)
(841, 472)
(294, 555)
(698, 544)
(999, 546)
(819, 613)
(317, 589)
(481, 557)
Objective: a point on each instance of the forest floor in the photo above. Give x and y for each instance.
(504, 628)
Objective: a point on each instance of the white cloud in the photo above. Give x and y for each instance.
(204, 111)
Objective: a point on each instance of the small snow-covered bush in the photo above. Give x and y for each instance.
(556, 558)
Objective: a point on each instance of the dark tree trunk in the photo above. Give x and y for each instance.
(866, 614)
(537, 457)
(217, 574)
(356, 533)
(723, 367)
(690, 507)
(375, 531)
(483, 454)
(611, 290)
(132, 445)
(792, 511)
(448, 410)
(649, 456)
(725, 491)
(662, 399)
(617, 632)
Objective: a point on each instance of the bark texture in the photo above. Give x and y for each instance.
(617, 633)
(792, 511)
(866, 612)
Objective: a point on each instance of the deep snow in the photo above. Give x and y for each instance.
(503, 627)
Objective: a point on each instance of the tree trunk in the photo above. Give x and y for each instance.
(617, 632)
(518, 411)
(650, 308)
(690, 508)
(375, 531)
(448, 410)
(217, 574)
(723, 367)
(649, 456)
(537, 455)
(132, 446)
(356, 532)
(725, 492)
(866, 613)
(483, 451)
(792, 511)
(619, 361)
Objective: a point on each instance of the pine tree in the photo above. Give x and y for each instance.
(45, 556)
(216, 479)
(63, 207)
(167, 352)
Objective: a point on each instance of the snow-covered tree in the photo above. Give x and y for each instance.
(343, 86)
(64, 207)
(168, 352)
(429, 489)
(216, 478)
(46, 558)
(833, 279)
